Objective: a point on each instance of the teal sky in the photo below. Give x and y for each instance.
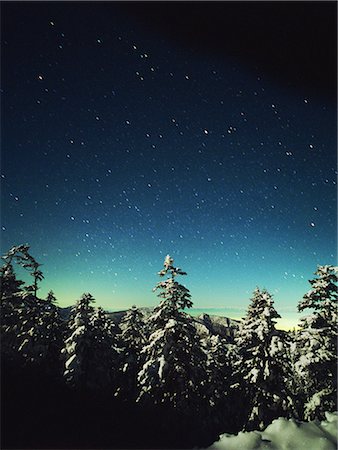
(123, 141)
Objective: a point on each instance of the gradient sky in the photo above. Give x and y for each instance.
(206, 131)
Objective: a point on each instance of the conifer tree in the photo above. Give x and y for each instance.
(106, 350)
(21, 256)
(40, 333)
(89, 352)
(22, 313)
(171, 290)
(34, 268)
(262, 364)
(132, 327)
(11, 304)
(10, 285)
(53, 332)
(173, 372)
(317, 344)
(219, 370)
(131, 341)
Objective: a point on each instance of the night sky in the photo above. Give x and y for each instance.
(202, 130)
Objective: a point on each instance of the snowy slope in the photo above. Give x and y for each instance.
(117, 316)
(285, 434)
(222, 326)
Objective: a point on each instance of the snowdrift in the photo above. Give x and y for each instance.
(285, 434)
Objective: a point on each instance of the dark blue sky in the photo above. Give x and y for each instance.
(207, 131)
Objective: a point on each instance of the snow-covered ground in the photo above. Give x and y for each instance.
(285, 434)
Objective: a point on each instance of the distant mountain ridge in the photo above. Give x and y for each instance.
(204, 323)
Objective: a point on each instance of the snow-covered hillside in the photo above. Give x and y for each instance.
(285, 434)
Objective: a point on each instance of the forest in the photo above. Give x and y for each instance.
(83, 380)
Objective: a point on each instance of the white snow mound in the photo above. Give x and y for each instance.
(285, 434)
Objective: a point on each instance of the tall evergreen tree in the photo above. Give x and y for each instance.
(219, 370)
(53, 332)
(263, 363)
(172, 291)
(173, 372)
(40, 333)
(317, 344)
(11, 304)
(106, 361)
(10, 285)
(131, 341)
(21, 256)
(89, 352)
(24, 317)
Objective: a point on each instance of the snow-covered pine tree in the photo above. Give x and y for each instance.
(294, 380)
(174, 369)
(317, 344)
(171, 290)
(219, 371)
(106, 370)
(10, 285)
(21, 256)
(53, 328)
(30, 326)
(40, 334)
(131, 341)
(262, 364)
(11, 289)
(89, 352)
(132, 328)
(11, 304)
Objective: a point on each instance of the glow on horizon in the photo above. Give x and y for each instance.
(227, 286)
(230, 303)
